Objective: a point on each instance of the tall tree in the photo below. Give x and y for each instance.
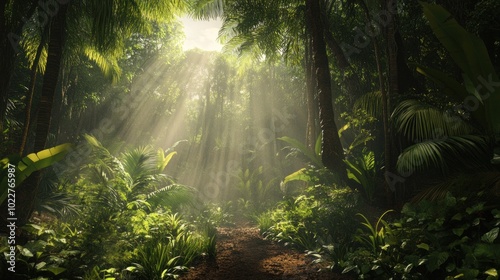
(109, 21)
(332, 153)
(13, 14)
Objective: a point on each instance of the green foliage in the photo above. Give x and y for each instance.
(50, 252)
(360, 167)
(315, 173)
(314, 157)
(444, 140)
(166, 257)
(362, 170)
(127, 227)
(419, 121)
(254, 195)
(54, 199)
(374, 234)
(310, 175)
(371, 103)
(210, 245)
(448, 155)
(319, 217)
(470, 54)
(217, 214)
(453, 238)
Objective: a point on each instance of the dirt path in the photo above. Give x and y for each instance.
(243, 254)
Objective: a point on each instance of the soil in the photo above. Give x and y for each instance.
(243, 254)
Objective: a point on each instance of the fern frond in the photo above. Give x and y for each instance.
(172, 195)
(207, 9)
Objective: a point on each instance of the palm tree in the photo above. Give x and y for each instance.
(110, 21)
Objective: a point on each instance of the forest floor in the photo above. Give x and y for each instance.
(243, 254)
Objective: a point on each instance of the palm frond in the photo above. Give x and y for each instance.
(31, 39)
(12, 106)
(172, 196)
(161, 10)
(419, 121)
(59, 204)
(371, 103)
(140, 164)
(53, 199)
(207, 9)
(311, 155)
(451, 154)
(102, 159)
(107, 63)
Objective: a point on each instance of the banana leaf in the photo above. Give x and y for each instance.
(29, 164)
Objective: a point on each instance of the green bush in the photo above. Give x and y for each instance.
(320, 217)
(49, 252)
(454, 238)
(128, 226)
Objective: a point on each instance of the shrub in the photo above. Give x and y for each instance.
(319, 217)
(454, 238)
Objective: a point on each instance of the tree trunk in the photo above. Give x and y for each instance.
(406, 80)
(51, 77)
(311, 133)
(332, 152)
(28, 190)
(388, 153)
(351, 79)
(392, 57)
(30, 95)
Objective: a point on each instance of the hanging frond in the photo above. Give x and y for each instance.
(451, 154)
(31, 40)
(59, 204)
(207, 9)
(107, 63)
(161, 10)
(419, 121)
(102, 159)
(273, 29)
